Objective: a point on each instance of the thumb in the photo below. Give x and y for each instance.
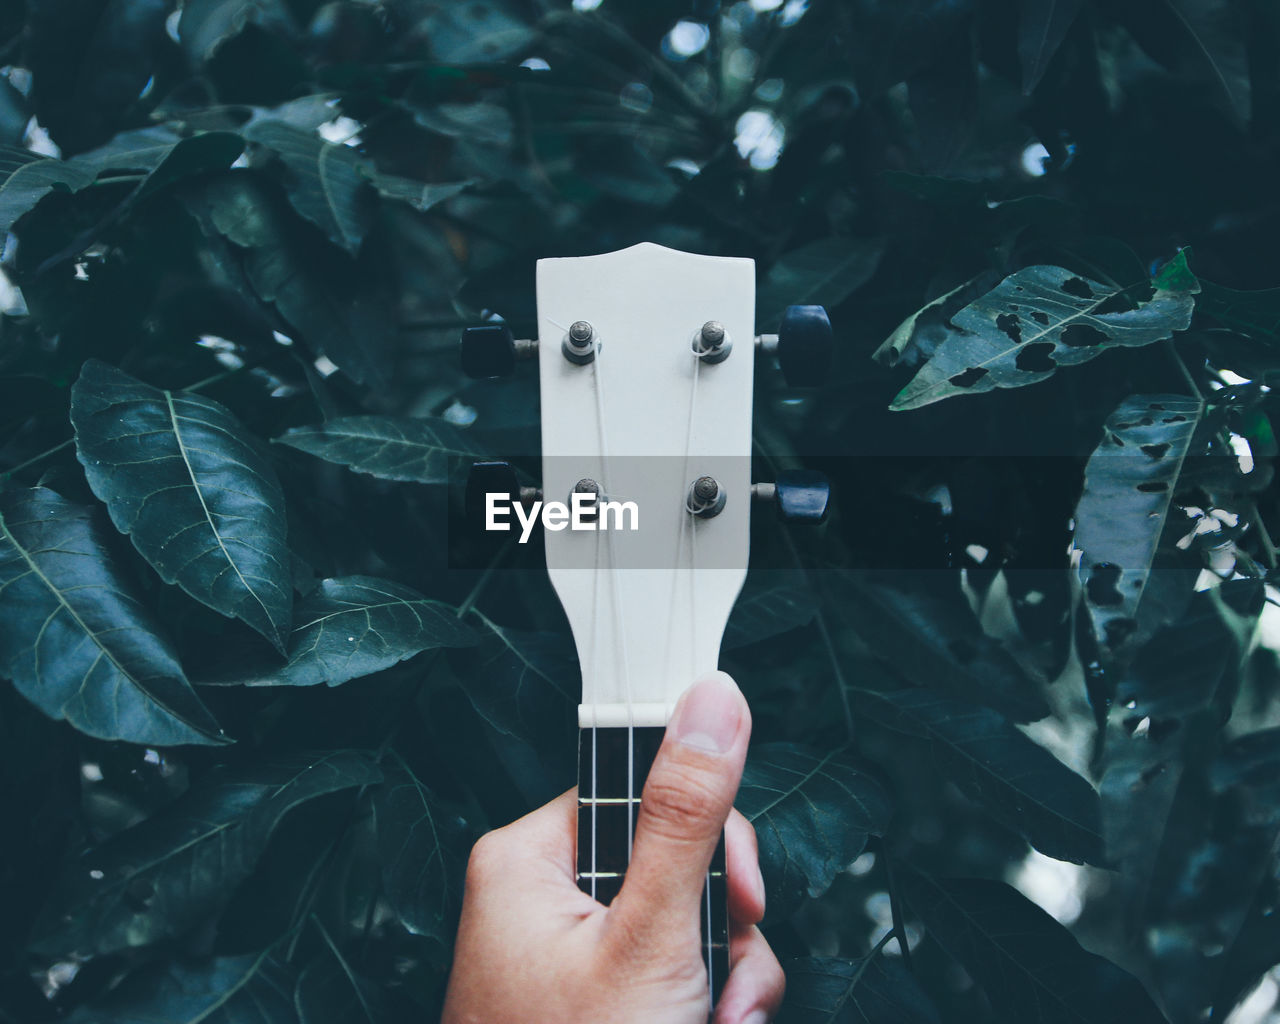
(686, 799)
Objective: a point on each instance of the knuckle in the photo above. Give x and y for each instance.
(486, 858)
(683, 802)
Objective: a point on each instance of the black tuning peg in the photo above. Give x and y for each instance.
(803, 345)
(492, 350)
(800, 495)
(497, 477)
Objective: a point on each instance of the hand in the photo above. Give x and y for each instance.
(533, 947)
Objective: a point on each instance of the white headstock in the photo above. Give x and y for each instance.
(645, 418)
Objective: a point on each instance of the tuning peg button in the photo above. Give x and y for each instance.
(803, 345)
(492, 350)
(801, 496)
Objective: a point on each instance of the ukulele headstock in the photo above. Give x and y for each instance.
(646, 361)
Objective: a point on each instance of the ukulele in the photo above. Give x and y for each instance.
(646, 362)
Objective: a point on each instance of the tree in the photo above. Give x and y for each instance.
(257, 715)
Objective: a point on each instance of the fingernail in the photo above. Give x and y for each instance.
(709, 714)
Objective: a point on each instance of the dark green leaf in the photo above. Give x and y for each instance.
(472, 31)
(1038, 319)
(812, 814)
(1042, 25)
(930, 635)
(391, 447)
(329, 991)
(828, 990)
(825, 272)
(1031, 968)
(423, 848)
(255, 988)
(325, 182)
(75, 641)
(1250, 767)
(156, 880)
(1255, 314)
(992, 762)
(920, 334)
(159, 152)
(767, 609)
(420, 195)
(354, 626)
(342, 307)
(523, 683)
(192, 489)
(207, 24)
(89, 61)
(1129, 486)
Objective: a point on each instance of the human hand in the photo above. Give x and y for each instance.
(533, 947)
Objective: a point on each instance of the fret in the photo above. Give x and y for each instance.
(600, 800)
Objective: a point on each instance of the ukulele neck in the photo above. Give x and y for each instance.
(613, 764)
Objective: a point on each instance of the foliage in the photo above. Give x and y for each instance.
(259, 709)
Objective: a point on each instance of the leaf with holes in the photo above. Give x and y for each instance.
(254, 988)
(390, 447)
(812, 813)
(1129, 484)
(154, 881)
(1042, 25)
(993, 763)
(354, 626)
(1030, 967)
(1039, 319)
(324, 180)
(829, 990)
(919, 335)
(192, 489)
(75, 640)
(422, 847)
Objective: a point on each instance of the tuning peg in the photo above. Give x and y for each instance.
(803, 345)
(492, 350)
(485, 478)
(800, 495)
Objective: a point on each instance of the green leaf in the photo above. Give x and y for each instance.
(812, 814)
(207, 24)
(474, 31)
(423, 848)
(826, 272)
(74, 639)
(920, 334)
(524, 684)
(325, 182)
(1042, 25)
(1037, 320)
(993, 763)
(192, 489)
(329, 991)
(1129, 484)
(159, 151)
(154, 881)
(390, 447)
(1255, 314)
(930, 636)
(768, 609)
(354, 626)
(1030, 967)
(829, 990)
(255, 988)
(421, 195)
(342, 307)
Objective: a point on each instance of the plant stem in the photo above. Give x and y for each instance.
(1264, 537)
(1192, 386)
(895, 906)
(866, 962)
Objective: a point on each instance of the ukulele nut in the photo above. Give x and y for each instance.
(580, 343)
(712, 344)
(706, 498)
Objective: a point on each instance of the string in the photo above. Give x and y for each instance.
(616, 594)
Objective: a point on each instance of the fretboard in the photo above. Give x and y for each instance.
(612, 767)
